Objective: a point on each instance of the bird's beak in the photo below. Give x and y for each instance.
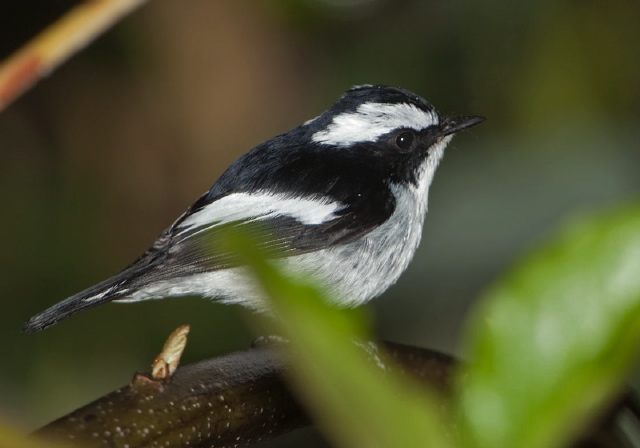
(451, 125)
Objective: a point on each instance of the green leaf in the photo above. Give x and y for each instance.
(356, 402)
(555, 338)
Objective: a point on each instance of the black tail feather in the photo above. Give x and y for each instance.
(103, 292)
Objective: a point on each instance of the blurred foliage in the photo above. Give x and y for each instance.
(552, 343)
(555, 338)
(99, 158)
(358, 402)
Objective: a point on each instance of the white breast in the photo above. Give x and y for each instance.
(357, 272)
(362, 270)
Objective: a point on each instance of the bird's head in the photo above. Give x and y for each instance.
(389, 127)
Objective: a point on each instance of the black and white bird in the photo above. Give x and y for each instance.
(341, 198)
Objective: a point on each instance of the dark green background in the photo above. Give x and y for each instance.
(97, 159)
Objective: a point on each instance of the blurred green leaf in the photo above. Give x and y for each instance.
(555, 338)
(358, 403)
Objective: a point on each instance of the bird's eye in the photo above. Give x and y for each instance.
(404, 140)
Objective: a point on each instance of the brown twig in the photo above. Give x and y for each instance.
(57, 43)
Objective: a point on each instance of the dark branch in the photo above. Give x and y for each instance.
(234, 400)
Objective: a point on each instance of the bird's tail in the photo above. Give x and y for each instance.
(103, 292)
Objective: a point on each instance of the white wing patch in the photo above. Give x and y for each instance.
(372, 120)
(99, 295)
(260, 206)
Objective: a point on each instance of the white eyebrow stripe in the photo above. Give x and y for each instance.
(259, 206)
(371, 120)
